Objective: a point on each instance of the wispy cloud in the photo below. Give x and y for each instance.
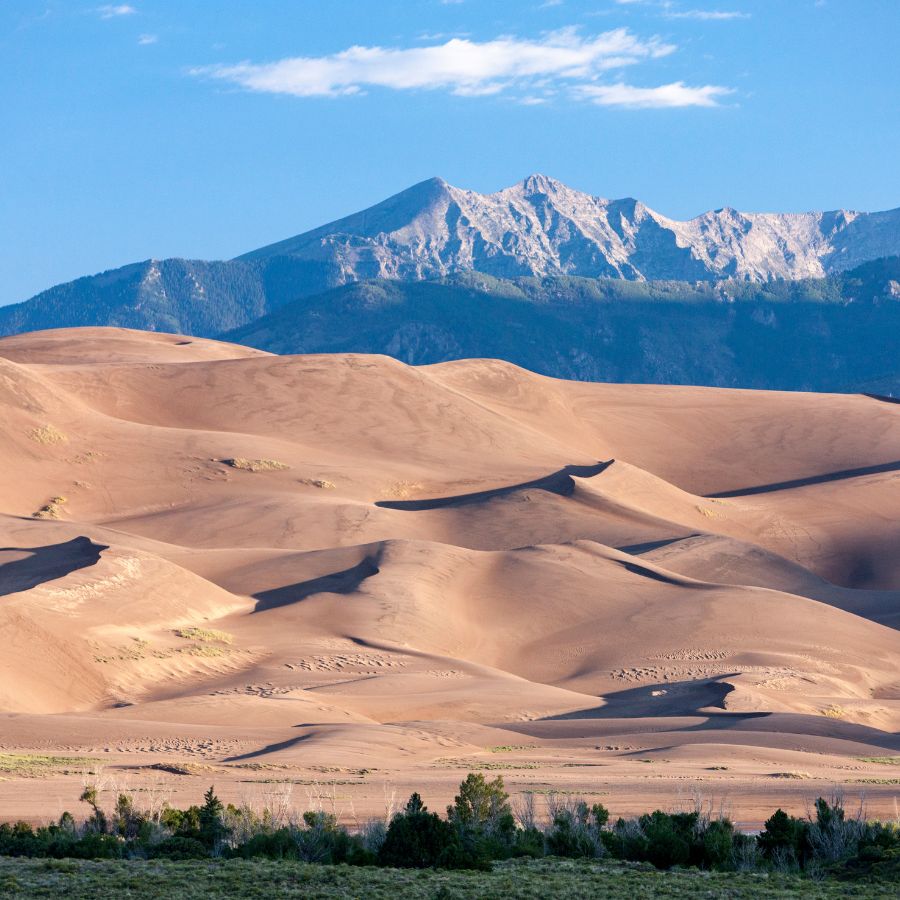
(146, 39)
(707, 15)
(560, 61)
(113, 10)
(665, 96)
(669, 10)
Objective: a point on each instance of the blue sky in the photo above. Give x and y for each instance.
(205, 129)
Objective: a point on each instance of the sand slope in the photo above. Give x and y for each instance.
(331, 564)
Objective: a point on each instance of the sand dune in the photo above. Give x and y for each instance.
(341, 567)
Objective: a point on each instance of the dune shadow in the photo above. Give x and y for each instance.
(644, 572)
(667, 699)
(344, 582)
(47, 563)
(839, 475)
(271, 748)
(559, 482)
(704, 699)
(639, 549)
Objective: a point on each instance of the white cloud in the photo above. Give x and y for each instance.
(707, 15)
(112, 11)
(459, 65)
(674, 95)
(146, 39)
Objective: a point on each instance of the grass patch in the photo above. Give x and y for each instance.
(255, 465)
(51, 509)
(28, 765)
(127, 652)
(47, 434)
(205, 635)
(539, 879)
(181, 769)
(89, 456)
(881, 760)
(834, 712)
(483, 766)
(210, 651)
(512, 748)
(801, 776)
(140, 649)
(318, 483)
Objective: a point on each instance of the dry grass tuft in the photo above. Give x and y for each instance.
(318, 483)
(181, 768)
(50, 510)
(28, 765)
(255, 465)
(89, 456)
(209, 651)
(47, 434)
(205, 635)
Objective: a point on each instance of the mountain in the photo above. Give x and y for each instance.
(542, 227)
(172, 295)
(538, 228)
(833, 334)
(550, 278)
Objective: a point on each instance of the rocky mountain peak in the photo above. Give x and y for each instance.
(541, 227)
(540, 184)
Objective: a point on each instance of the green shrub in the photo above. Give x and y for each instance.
(483, 821)
(576, 831)
(528, 842)
(212, 829)
(783, 840)
(418, 839)
(478, 830)
(178, 848)
(718, 844)
(281, 844)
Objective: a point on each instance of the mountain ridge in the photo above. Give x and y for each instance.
(830, 334)
(540, 226)
(606, 278)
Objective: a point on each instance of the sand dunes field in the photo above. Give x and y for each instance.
(358, 577)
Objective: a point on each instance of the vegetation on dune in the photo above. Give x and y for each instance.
(29, 765)
(204, 635)
(481, 831)
(255, 465)
(51, 509)
(47, 434)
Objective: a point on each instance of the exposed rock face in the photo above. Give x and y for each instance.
(542, 227)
